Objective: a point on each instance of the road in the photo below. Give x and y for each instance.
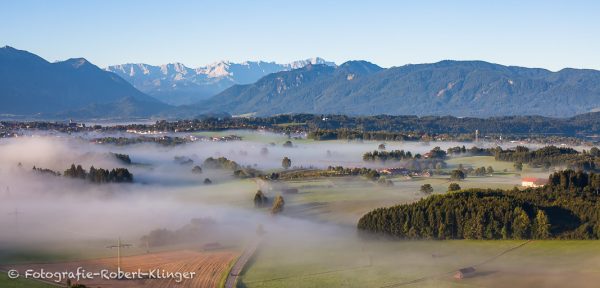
(241, 262)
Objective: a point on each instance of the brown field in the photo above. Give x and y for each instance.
(209, 267)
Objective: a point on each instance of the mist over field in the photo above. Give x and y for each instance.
(50, 208)
(316, 234)
(57, 207)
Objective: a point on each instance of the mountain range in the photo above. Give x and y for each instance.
(459, 88)
(177, 84)
(32, 86)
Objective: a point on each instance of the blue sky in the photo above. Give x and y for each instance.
(548, 34)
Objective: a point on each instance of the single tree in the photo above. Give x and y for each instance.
(457, 175)
(207, 181)
(260, 200)
(426, 189)
(197, 170)
(521, 224)
(453, 187)
(286, 163)
(518, 166)
(541, 226)
(490, 170)
(278, 205)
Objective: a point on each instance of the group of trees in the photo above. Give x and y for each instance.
(261, 201)
(482, 171)
(473, 151)
(46, 171)
(220, 163)
(395, 155)
(226, 164)
(99, 175)
(568, 207)
(399, 155)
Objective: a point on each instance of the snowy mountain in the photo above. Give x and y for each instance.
(177, 84)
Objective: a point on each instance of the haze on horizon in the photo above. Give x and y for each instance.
(546, 34)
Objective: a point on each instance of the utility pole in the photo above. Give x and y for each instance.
(119, 246)
(16, 214)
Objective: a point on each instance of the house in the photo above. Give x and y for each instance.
(394, 171)
(533, 182)
(464, 273)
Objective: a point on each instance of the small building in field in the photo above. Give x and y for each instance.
(464, 273)
(394, 171)
(533, 182)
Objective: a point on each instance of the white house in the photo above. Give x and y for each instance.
(533, 182)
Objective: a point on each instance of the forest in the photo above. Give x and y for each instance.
(566, 208)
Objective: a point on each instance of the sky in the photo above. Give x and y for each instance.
(548, 34)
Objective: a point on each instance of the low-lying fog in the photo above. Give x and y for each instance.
(37, 208)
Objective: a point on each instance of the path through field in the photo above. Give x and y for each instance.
(241, 262)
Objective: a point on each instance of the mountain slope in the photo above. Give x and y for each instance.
(30, 85)
(177, 84)
(459, 88)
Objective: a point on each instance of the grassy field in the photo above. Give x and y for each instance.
(430, 263)
(342, 260)
(343, 200)
(6, 282)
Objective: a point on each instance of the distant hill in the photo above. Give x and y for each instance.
(459, 88)
(30, 85)
(177, 84)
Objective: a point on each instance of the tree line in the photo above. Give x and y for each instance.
(94, 175)
(99, 175)
(551, 156)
